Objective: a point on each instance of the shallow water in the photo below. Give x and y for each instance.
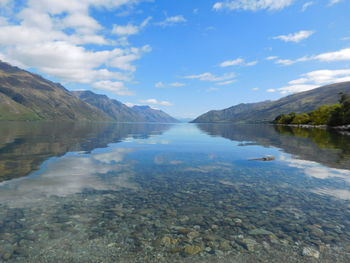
(102, 192)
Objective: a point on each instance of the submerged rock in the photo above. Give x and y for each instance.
(266, 158)
(192, 250)
(311, 252)
(260, 232)
(247, 243)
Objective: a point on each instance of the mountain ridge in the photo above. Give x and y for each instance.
(26, 96)
(267, 111)
(120, 112)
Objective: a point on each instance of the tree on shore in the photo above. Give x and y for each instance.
(332, 115)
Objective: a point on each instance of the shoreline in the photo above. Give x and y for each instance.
(342, 128)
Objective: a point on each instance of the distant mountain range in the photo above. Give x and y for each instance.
(118, 111)
(27, 96)
(267, 111)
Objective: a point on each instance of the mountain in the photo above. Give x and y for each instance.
(152, 115)
(267, 111)
(27, 96)
(118, 111)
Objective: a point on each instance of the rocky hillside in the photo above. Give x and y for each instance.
(267, 111)
(118, 111)
(152, 115)
(27, 96)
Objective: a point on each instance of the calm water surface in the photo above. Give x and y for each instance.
(102, 192)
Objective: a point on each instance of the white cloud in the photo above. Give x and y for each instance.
(116, 87)
(255, 89)
(74, 63)
(252, 5)
(315, 79)
(177, 84)
(228, 82)
(53, 37)
(295, 37)
(271, 58)
(207, 76)
(130, 104)
(340, 55)
(333, 2)
(159, 85)
(130, 29)
(173, 84)
(237, 62)
(287, 62)
(251, 63)
(81, 22)
(172, 20)
(125, 30)
(306, 6)
(271, 90)
(157, 102)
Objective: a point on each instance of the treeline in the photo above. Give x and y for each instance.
(332, 115)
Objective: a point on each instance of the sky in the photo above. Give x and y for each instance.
(184, 57)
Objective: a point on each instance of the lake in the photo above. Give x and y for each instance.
(106, 192)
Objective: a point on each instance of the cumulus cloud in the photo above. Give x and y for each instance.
(125, 30)
(207, 76)
(252, 5)
(315, 79)
(157, 102)
(116, 87)
(295, 37)
(237, 62)
(130, 29)
(172, 20)
(55, 38)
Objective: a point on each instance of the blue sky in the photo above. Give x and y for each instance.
(184, 57)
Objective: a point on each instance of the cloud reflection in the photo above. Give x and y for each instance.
(315, 170)
(71, 174)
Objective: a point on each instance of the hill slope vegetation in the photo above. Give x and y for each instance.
(27, 96)
(267, 111)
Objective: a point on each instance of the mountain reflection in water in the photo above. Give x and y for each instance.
(110, 193)
(329, 148)
(24, 146)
